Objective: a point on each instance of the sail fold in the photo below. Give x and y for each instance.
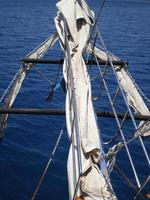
(73, 23)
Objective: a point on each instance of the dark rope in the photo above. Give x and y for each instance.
(42, 75)
(51, 91)
(47, 165)
(97, 18)
(141, 188)
(118, 132)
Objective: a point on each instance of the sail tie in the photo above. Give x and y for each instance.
(111, 156)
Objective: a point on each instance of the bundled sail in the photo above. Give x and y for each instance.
(85, 179)
(132, 94)
(16, 83)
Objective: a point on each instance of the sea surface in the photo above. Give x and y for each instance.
(29, 140)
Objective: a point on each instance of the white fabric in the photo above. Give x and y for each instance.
(133, 97)
(96, 185)
(73, 25)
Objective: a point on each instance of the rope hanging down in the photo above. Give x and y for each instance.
(47, 166)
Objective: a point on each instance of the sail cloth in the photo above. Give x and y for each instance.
(17, 83)
(73, 22)
(133, 96)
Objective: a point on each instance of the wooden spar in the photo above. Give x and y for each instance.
(39, 111)
(61, 61)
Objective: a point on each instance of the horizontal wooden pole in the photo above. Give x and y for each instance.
(60, 61)
(42, 111)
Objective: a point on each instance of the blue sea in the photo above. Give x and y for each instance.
(29, 140)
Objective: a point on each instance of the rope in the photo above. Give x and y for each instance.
(113, 153)
(126, 102)
(141, 188)
(118, 132)
(130, 184)
(102, 85)
(51, 91)
(121, 145)
(92, 54)
(97, 18)
(111, 156)
(118, 122)
(42, 74)
(47, 166)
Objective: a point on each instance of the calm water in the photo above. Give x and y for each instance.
(29, 140)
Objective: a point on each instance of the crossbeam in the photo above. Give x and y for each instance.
(60, 61)
(39, 111)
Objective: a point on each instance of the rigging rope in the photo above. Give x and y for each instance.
(42, 75)
(126, 102)
(118, 132)
(121, 173)
(111, 156)
(141, 188)
(97, 19)
(121, 145)
(102, 77)
(53, 86)
(128, 181)
(47, 165)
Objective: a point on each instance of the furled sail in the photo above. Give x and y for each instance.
(20, 76)
(132, 94)
(86, 181)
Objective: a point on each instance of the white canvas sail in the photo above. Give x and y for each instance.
(85, 179)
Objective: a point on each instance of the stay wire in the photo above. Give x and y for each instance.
(93, 46)
(99, 94)
(118, 132)
(128, 181)
(142, 187)
(126, 102)
(47, 165)
(129, 140)
(97, 19)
